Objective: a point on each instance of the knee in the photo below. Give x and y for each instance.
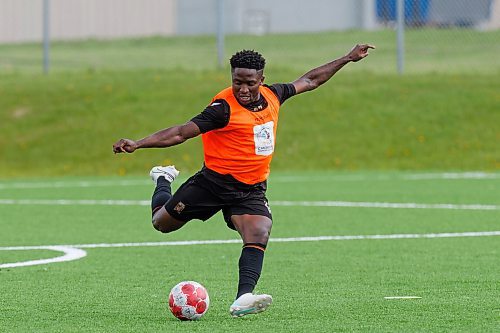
(253, 229)
(261, 234)
(161, 227)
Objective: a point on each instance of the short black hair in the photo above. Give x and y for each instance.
(248, 59)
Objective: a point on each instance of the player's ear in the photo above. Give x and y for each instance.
(262, 79)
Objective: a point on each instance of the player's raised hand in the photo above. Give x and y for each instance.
(124, 146)
(360, 51)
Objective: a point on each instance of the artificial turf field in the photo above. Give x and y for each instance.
(438, 239)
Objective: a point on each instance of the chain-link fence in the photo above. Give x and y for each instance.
(412, 36)
(445, 35)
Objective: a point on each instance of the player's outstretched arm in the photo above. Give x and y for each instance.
(165, 138)
(317, 76)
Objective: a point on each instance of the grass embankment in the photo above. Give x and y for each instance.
(426, 50)
(66, 123)
(442, 114)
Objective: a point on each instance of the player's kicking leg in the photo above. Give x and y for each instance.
(163, 176)
(169, 173)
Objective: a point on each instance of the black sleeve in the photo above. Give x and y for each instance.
(283, 91)
(215, 116)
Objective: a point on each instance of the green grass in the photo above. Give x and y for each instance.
(328, 286)
(440, 116)
(66, 124)
(427, 50)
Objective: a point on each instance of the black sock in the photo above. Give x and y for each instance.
(161, 195)
(250, 265)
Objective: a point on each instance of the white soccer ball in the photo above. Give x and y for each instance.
(188, 300)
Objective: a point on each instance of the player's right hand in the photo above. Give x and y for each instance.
(124, 146)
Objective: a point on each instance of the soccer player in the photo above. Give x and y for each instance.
(238, 130)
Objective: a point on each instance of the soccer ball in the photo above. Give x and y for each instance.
(188, 300)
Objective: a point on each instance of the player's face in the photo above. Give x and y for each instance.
(246, 83)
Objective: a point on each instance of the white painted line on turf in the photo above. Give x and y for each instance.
(66, 202)
(64, 184)
(277, 178)
(274, 240)
(378, 177)
(402, 297)
(70, 253)
(390, 236)
(453, 175)
(408, 205)
(74, 252)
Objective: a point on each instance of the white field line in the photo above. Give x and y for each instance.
(77, 184)
(74, 252)
(66, 202)
(278, 179)
(408, 205)
(375, 177)
(272, 240)
(70, 254)
(453, 175)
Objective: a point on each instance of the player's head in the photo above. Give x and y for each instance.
(248, 59)
(247, 73)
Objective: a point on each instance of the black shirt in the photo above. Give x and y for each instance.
(216, 115)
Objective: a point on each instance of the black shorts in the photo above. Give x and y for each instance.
(207, 192)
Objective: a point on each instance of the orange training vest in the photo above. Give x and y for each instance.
(244, 148)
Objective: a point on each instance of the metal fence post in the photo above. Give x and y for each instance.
(220, 33)
(400, 34)
(46, 36)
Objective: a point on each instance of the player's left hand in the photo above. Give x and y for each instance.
(360, 51)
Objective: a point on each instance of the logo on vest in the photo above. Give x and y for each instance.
(264, 138)
(179, 207)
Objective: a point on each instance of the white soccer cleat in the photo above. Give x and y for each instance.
(250, 304)
(169, 172)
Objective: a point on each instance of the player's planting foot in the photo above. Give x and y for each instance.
(250, 304)
(169, 172)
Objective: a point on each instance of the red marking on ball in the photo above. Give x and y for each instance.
(187, 289)
(192, 299)
(201, 292)
(201, 307)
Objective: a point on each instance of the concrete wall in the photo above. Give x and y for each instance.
(277, 16)
(494, 21)
(21, 20)
(301, 16)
